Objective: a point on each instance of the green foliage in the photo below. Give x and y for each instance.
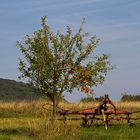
(126, 97)
(58, 62)
(11, 90)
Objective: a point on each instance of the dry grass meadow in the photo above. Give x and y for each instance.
(29, 121)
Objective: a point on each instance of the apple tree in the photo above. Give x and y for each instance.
(60, 62)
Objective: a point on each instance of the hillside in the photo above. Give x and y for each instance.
(12, 90)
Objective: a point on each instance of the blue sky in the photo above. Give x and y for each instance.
(115, 22)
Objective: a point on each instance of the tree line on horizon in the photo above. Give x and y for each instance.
(124, 98)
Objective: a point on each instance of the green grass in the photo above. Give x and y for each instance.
(32, 123)
(124, 132)
(97, 133)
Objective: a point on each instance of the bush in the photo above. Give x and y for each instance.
(130, 97)
(91, 99)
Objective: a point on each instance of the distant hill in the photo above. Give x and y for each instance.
(11, 90)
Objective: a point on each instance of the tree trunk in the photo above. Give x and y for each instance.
(54, 111)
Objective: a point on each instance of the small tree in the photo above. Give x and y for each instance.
(55, 63)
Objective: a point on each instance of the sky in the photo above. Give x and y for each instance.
(115, 22)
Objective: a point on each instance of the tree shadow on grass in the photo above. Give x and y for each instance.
(20, 131)
(10, 131)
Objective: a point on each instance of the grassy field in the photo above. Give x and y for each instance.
(29, 121)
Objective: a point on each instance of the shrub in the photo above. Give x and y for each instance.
(130, 97)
